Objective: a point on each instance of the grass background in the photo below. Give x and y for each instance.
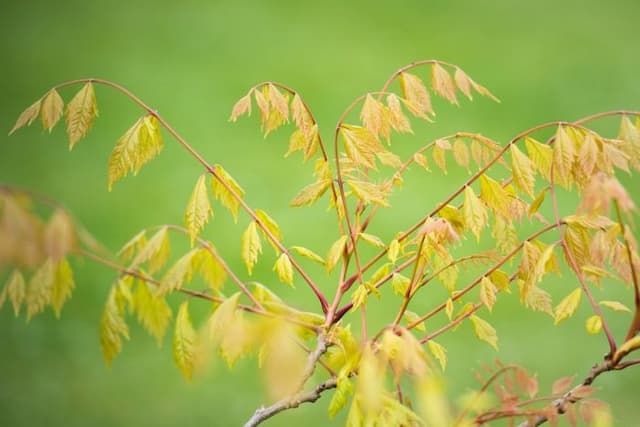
(192, 60)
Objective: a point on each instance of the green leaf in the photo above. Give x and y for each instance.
(284, 269)
(484, 331)
(180, 272)
(567, 307)
(335, 252)
(308, 253)
(81, 112)
(112, 328)
(152, 310)
(227, 190)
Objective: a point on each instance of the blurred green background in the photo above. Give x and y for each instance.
(191, 60)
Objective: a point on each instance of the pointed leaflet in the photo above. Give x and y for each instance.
(563, 156)
(308, 253)
(184, 340)
(522, 169)
(38, 294)
(15, 290)
(309, 194)
(251, 246)
(567, 306)
(372, 240)
(59, 235)
(220, 318)
(51, 111)
(335, 252)
(360, 145)
(271, 225)
(411, 317)
(152, 310)
(198, 209)
(461, 153)
(243, 106)
(62, 286)
(416, 95)
(211, 270)
(112, 328)
(488, 293)
(474, 212)
(180, 272)
(28, 116)
(140, 144)
(615, 305)
(494, 195)
(227, 190)
(463, 82)
(484, 331)
(80, 114)
(397, 118)
(340, 396)
(368, 192)
(442, 83)
(279, 101)
(284, 269)
(541, 156)
(155, 251)
(439, 153)
(439, 352)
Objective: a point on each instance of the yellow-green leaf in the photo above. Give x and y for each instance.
(488, 293)
(51, 111)
(360, 145)
(308, 253)
(284, 269)
(394, 250)
(461, 153)
(28, 116)
(522, 169)
(38, 294)
(180, 272)
(541, 156)
(567, 307)
(198, 209)
(593, 325)
(81, 112)
(184, 341)
(474, 212)
(375, 117)
(368, 192)
(563, 156)
(397, 118)
(152, 310)
(251, 246)
(372, 240)
(494, 195)
(439, 352)
(340, 396)
(400, 284)
(112, 328)
(312, 192)
(221, 317)
(271, 225)
(156, 251)
(615, 305)
(537, 202)
(484, 331)
(411, 317)
(135, 244)
(211, 270)
(62, 286)
(227, 190)
(335, 252)
(15, 290)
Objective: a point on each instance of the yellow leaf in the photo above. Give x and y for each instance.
(301, 116)
(388, 158)
(505, 234)
(439, 352)
(251, 246)
(494, 195)
(336, 251)
(273, 227)
(442, 83)
(28, 116)
(615, 305)
(284, 269)
(588, 155)
(184, 340)
(360, 145)
(488, 293)
(81, 112)
(375, 117)
(593, 324)
(567, 306)
(221, 317)
(51, 111)
(211, 270)
(410, 317)
(39, 290)
(340, 396)
(180, 272)
(59, 235)
(433, 402)
(484, 331)
(461, 153)
(563, 157)
(227, 190)
(501, 280)
(359, 297)
(463, 82)
(483, 91)
(372, 240)
(522, 169)
(243, 106)
(397, 118)
(152, 311)
(140, 144)
(156, 251)
(448, 308)
(416, 95)
(307, 253)
(474, 212)
(279, 101)
(537, 202)
(399, 284)
(421, 160)
(394, 250)
(198, 209)
(541, 156)
(368, 192)
(312, 192)
(112, 328)
(613, 156)
(62, 285)
(439, 154)
(15, 290)
(134, 245)
(537, 299)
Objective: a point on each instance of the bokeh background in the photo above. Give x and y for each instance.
(191, 60)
